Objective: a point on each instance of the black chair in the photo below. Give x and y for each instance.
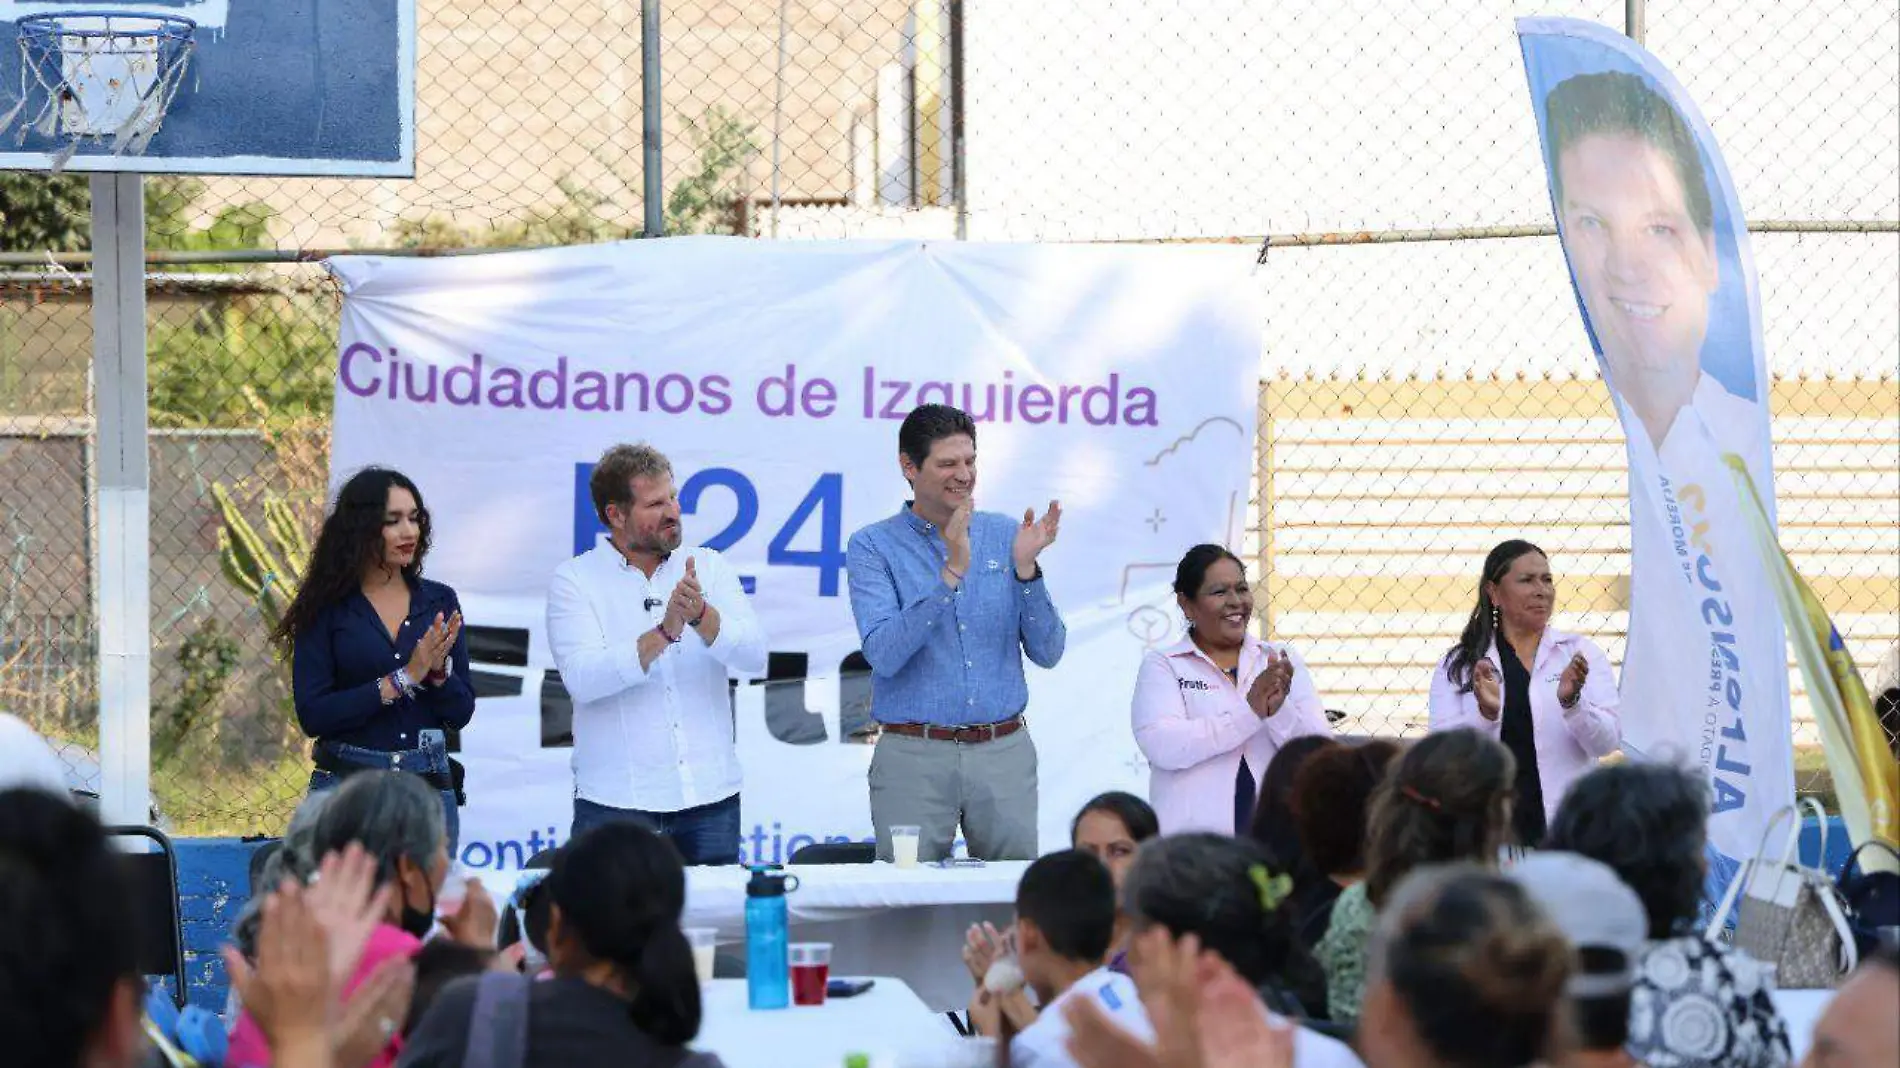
(154, 877)
(835, 853)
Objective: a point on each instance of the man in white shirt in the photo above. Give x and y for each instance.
(1065, 924)
(646, 637)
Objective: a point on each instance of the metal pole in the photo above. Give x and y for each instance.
(959, 191)
(1633, 20)
(123, 591)
(655, 181)
(778, 113)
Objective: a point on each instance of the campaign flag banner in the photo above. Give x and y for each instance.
(1866, 779)
(1122, 381)
(1659, 259)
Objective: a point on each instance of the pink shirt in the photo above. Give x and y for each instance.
(248, 1048)
(1568, 742)
(1193, 724)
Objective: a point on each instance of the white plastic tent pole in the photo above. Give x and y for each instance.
(122, 598)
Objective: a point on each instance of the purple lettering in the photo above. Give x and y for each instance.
(775, 394)
(819, 398)
(714, 398)
(590, 392)
(370, 352)
(555, 376)
(1032, 405)
(504, 389)
(1110, 395)
(1141, 407)
(471, 372)
(686, 398)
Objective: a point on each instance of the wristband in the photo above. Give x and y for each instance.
(694, 623)
(660, 629)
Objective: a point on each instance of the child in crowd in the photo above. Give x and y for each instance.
(1065, 926)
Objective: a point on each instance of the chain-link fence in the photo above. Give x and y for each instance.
(1426, 390)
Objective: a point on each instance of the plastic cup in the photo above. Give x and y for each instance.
(705, 941)
(811, 970)
(904, 845)
(454, 891)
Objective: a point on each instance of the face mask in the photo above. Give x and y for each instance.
(418, 922)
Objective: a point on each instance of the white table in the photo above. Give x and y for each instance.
(887, 1023)
(880, 920)
(1800, 1009)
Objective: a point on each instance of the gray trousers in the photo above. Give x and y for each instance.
(990, 788)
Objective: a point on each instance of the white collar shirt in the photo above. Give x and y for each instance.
(659, 738)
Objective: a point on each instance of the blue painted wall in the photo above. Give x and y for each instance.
(213, 881)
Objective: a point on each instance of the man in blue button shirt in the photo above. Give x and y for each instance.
(948, 600)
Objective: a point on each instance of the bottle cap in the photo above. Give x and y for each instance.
(765, 884)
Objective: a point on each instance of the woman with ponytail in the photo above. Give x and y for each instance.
(1547, 694)
(623, 992)
(1448, 798)
(1466, 971)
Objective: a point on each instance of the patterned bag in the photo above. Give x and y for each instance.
(1790, 916)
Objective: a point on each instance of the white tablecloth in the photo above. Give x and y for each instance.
(1799, 1010)
(879, 919)
(886, 1023)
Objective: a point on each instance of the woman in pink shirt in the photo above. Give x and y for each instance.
(1547, 694)
(398, 819)
(1212, 710)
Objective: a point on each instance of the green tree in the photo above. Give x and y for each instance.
(44, 212)
(53, 212)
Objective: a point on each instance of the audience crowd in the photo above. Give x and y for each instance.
(1377, 912)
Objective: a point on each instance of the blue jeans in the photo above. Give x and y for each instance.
(707, 835)
(321, 780)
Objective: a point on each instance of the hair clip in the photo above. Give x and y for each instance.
(1274, 889)
(1417, 798)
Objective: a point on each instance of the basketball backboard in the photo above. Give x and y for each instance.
(288, 87)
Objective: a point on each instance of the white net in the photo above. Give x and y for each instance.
(99, 78)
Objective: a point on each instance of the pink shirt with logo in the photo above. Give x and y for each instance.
(1193, 724)
(1569, 742)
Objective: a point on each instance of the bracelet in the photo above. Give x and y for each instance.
(660, 629)
(954, 571)
(404, 683)
(694, 623)
(1575, 699)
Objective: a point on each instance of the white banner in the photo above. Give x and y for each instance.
(1123, 381)
(1659, 256)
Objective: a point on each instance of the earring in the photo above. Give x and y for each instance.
(1495, 622)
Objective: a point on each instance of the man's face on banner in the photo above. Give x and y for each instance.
(1645, 271)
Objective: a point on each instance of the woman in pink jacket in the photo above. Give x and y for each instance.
(1212, 710)
(1547, 694)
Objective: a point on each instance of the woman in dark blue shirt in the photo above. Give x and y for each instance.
(379, 666)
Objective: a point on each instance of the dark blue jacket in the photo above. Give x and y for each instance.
(340, 658)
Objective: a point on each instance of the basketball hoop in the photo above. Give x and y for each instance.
(98, 77)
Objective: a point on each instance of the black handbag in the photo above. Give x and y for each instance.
(1872, 898)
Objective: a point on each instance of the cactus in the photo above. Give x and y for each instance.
(248, 563)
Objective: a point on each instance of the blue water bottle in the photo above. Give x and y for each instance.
(767, 963)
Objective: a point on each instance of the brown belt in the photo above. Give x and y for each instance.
(982, 732)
